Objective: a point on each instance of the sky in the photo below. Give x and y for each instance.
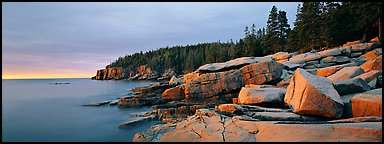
(73, 40)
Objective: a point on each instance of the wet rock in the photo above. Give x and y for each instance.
(345, 73)
(349, 86)
(261, 95)
(135, 121)
(114, 102)
(97, 103)
(309, 94)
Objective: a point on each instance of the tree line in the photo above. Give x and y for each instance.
(318, 25)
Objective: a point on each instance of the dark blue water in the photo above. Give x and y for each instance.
(35, 110)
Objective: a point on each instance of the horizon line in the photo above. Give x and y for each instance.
(45, 78)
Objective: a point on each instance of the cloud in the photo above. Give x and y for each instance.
(90, 35)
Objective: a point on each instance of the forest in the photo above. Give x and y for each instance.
(318, 25)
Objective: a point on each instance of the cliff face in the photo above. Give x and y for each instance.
(111, 73)
(132, 73)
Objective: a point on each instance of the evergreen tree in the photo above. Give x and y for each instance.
(271, 41)
(283, 31)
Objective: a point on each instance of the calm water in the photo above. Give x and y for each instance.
(35, 110)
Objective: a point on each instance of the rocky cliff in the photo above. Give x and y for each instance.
(133, 73)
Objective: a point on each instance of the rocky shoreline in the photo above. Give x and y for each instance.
(328, 95)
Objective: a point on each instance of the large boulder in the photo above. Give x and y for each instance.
(345, 73)
(349, 86)
(212, 84)
(232, 64)
(368, 103)
(261, 95)
(313, 95)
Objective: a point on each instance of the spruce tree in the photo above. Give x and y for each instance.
(284, 29)
(272, 31)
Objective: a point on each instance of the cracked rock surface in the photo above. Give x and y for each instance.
(207, 125)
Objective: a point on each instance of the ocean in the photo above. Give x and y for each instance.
(36, 110)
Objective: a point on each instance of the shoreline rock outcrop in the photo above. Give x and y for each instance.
(329, 95)
(132, 73)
